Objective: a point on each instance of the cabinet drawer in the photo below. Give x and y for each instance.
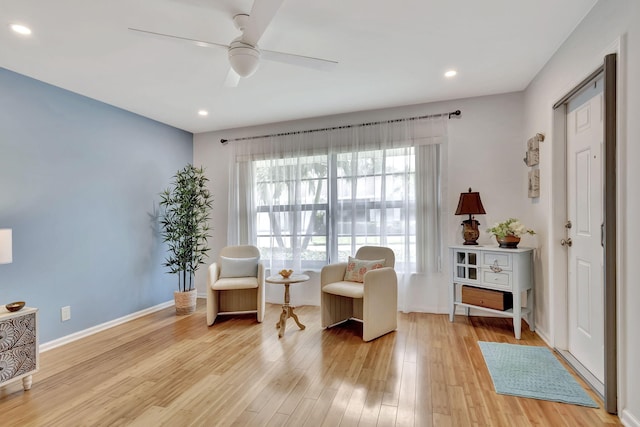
(496, 300)
(17, 361)
(497, 259)
(17, 331)
(500, 280)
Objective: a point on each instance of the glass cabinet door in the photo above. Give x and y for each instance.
(466, 265)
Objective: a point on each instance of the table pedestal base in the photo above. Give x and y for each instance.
(287, 312)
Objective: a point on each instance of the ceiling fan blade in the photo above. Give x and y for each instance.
(261, 15)
(232, 79)
(299, 60)
(201, 43)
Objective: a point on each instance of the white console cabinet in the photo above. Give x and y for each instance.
(494, 268)
(18, 345)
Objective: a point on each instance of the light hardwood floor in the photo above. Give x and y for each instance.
(175, 371)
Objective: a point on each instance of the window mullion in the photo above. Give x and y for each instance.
(383, 199)
(332, 207)
(296, 220)
(352, 203)
(406, 209)
(292, 197)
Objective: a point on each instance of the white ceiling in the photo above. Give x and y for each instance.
(390, 53)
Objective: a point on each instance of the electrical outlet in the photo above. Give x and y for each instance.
(65, 313)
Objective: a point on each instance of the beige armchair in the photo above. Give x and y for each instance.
(236, 283)
(374, 302)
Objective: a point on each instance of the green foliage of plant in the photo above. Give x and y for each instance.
(510, 227)
(185, 223)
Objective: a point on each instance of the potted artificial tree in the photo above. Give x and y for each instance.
(186, 205)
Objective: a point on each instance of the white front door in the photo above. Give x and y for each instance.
(585, 210)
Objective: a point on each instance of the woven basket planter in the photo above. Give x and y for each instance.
(185, 302)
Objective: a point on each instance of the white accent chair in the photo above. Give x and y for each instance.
(374, 302)
(236, 283)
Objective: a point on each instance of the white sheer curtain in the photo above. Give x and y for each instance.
(312, 198)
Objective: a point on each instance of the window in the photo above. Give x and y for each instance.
(309, 198)
(321, 208)
(292, 209)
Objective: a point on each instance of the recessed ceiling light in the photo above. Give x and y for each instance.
(21, 29)
(203, 113)
(450, 73)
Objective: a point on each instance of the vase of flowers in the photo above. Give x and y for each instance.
(508, 232)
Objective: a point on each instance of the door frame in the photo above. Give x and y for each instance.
(613, 240)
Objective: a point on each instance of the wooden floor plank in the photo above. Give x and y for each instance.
(371, 407)
(301, 412)
(387, 416)
(165, 370)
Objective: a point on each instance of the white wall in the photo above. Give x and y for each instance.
(485, 150)
(608, 21)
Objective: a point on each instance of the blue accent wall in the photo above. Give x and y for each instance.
(79, 184)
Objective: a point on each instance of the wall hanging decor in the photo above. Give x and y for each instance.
(532, 158)
(534, 183)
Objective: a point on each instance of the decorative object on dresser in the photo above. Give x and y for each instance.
(470, 204)
(15, 306)
(186, 203)
(6, 253)
(19, 357)
(508, 232)
(508, 271)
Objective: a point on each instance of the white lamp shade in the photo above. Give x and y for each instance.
(6, 253)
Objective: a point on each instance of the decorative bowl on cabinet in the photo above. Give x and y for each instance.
(15, 306)
(508, 241)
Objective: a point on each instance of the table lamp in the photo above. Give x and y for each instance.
(6, 255)
(470, 204)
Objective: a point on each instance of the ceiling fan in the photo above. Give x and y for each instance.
(244, 54)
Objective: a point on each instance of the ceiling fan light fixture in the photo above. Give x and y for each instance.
(244, 58)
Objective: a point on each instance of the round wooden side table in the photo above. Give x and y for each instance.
(287, 310)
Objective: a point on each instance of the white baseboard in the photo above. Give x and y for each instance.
(629, 420)
(98, 328)
(544, 337)
(428, 309)
(299, 301)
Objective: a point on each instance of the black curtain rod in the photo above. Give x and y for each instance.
(452, 113)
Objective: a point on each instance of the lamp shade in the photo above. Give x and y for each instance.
(6, 254)
(470, 204)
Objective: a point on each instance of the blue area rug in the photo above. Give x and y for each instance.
(526, 371)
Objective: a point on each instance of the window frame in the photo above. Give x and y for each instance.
(330, 208)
